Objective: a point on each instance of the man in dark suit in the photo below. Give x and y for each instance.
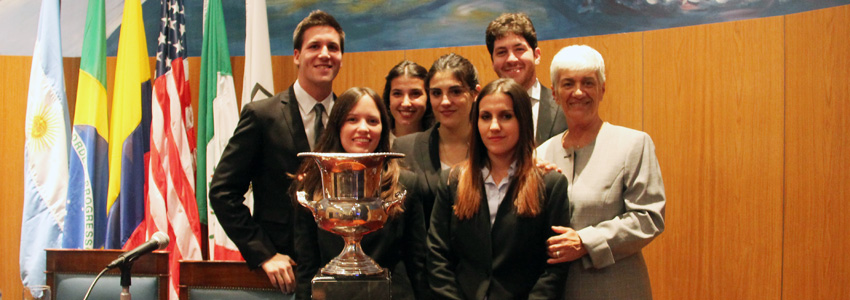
(262, 153)
(512, 42)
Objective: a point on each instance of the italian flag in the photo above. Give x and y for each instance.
(217, 119)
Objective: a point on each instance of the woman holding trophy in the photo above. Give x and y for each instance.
(494, 212)
(358, 123)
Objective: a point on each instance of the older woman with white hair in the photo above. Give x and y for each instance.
(615, 189)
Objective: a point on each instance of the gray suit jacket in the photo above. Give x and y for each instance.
(422, 157)
(617, 201)
(550, 117)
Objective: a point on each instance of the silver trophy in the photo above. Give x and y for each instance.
(350, 205)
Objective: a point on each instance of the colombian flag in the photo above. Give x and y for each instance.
(130, 131)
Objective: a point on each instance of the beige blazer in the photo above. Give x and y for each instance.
(617, 203)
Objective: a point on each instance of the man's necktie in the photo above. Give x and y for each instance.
(318, 127)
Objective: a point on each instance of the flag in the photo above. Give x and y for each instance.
(129, 134)
(45, 149)
(85, 222)
(258, 83)
(217, 110)
(171, 186)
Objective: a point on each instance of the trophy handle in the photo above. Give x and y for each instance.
(396, 201)
(302, 197)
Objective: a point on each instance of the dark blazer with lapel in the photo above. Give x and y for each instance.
(550, 118)
(261, 152)
(471, 259)
(400, 241)
(422, 157)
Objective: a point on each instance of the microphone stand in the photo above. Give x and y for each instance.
(125, 280)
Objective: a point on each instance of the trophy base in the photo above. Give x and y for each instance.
(352, 265)
(347, 287)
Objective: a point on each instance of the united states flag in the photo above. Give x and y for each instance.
(171, 190)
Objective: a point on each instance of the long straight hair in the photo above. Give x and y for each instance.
(528, 178)
(330, 142)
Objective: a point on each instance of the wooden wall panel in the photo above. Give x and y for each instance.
(15, 79)
(622, 104)
(194, 84)
(713, 106)
(366, 69)
(237, 66)
(817, 166)
(72, 76)
(285, 72)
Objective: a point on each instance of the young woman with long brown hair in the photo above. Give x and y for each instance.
(357, 124)
(495, 211)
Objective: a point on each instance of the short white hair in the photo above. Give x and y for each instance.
(577, 58)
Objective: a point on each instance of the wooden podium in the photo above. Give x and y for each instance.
(71, 271)
(225, 280)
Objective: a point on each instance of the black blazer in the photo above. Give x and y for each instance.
(261, 152)
(471, 259)
(550, 118)
(400, 241)
(422, 157)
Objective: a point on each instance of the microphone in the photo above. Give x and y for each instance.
(158, 241)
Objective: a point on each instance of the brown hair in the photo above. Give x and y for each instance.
(527, 179)
(330, 142)
(317, 18)
(510, 23)
(463, 70)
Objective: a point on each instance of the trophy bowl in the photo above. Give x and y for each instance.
(350, 205)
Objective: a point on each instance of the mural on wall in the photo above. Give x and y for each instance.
(378, 25)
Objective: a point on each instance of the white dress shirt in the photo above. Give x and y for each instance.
(308, 117)
(496, 191)
(534, 93)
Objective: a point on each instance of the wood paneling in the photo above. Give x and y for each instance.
(622, 104)
(817, 166)
(72, 75)
(15, 79)
(366, 69)
(285, 72)
(713, 104)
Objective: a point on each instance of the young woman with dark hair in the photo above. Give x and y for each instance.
(356, 125)
(407, 100)
(495, 211)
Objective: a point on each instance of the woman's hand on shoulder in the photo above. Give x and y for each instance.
(547, 166)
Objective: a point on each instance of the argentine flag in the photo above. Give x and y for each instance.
(46, 149)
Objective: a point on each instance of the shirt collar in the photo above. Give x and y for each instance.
(307, 102)
(485, 172)
(534, 91)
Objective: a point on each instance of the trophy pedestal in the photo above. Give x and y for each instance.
(344, 287)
